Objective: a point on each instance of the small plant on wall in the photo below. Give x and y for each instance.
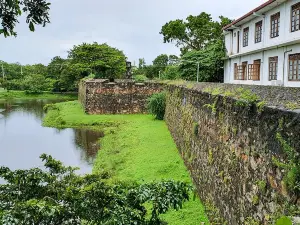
(157, 105)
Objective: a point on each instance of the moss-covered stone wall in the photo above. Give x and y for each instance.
(242, 154)
(118, 97)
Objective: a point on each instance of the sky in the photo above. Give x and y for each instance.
(132, 26)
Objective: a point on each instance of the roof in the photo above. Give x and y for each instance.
(249, 14)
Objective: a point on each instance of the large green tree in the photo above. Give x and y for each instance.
(37, 13)
(100, 59)
(210, 62)
(194, 33)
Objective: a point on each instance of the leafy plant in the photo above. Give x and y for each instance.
(210, 62)
(57, 195)
(37, 12)
(140, 78)
(157, 105)
(284, 221)
(292, 178)
(171, 73)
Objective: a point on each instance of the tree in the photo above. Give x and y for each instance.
(57, 195)
(173, 60)
(210, 62)
(37, 14)
(161, 61)
(100, 59)
(142, 63)
(37, 83)
(55, 71)
(196, 33)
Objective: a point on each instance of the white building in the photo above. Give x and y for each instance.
(263, 46)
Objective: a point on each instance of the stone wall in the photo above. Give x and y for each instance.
(237, 153)
(120, 97)
(241, 143)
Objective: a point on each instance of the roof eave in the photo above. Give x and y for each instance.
(256, 10)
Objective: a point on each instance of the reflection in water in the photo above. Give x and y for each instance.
(89, 141)
(23, 139)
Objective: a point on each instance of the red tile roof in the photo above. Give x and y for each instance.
(250, 13)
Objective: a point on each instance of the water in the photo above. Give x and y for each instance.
(23, 139)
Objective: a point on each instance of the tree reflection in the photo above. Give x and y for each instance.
(88, 140)
(31, 107)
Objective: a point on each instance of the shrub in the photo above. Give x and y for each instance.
(171, 73)
(157, 105)
(140, 78)
(57, 195)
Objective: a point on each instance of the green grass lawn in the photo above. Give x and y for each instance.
(22, 95)
(135, 148)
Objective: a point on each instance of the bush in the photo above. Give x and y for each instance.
(57, 195)
(157, 105)
(140, 78)
(171, 73)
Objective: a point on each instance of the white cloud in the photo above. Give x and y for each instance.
(132, 26)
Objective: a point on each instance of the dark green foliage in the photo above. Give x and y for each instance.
(160, 65)
(57, 195)
(157, 105)
(36, 83)
(210, 63)
(161, 61)
(196, 129)
(37, 13)
(195, 33)
(63, 75)
(100, 59)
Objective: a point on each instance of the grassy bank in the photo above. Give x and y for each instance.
(22, 95)
(135, 148)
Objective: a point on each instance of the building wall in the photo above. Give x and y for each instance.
(283, 66)
(268, 47)
(285, 34)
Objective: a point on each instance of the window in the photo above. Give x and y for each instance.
(275, 24)
(258, 32)
(240, 72)
(295, 17)
(294, 67)
(235, 71)
(273, 68)
(246, 37)
(254, 70)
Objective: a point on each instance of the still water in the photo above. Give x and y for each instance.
(23, 139)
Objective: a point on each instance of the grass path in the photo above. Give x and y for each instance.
(135, 148)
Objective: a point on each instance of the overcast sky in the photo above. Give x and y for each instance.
(130, 25)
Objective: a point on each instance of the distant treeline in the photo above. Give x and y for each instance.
(63, 75)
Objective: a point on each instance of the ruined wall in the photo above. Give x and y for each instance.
(119, 97)
(240, 156)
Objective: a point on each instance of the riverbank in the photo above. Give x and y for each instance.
(135, 148)
(4, 95)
